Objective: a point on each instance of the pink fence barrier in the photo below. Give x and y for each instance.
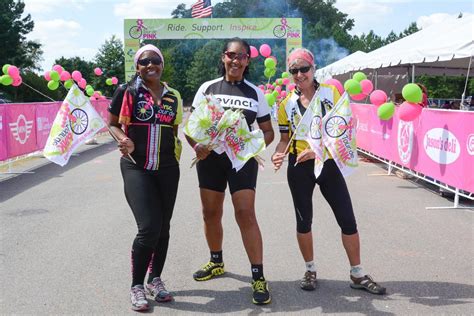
(24, 127)
(438, 144)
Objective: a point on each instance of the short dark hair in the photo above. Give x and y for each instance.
(226, 47)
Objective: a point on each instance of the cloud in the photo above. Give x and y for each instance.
(48, 6)
(59, 38)
(425, 21)
(147, 8)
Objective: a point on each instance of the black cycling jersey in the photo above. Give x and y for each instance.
(237, 95)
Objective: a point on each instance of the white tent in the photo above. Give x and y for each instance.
(441, 49)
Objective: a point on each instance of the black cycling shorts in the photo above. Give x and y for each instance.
(216, 171)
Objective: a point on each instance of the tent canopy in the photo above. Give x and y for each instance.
(440, 49)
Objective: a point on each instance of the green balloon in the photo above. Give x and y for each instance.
(269, 72)
(352, 87)
(108, 81)
(270, 63)
(54, 75)
(386, 110)
(5, 68)
(285, 75)
(53, 85)
(89, 87)
(68, 83)
(275, 94)
(412, 93)
(359, 76)
(270, 99)
(90, 91)
(6, 80)
(279, 81)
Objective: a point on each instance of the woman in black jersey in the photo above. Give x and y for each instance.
(144, 118)
(215, 169)
(301, 174)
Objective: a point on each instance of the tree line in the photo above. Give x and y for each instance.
(191, 62)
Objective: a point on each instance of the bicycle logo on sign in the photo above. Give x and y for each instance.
(284, 29)
(137, 30)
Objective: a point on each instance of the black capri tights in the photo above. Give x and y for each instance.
(302, 181)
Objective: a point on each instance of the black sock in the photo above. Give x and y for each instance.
(257, 271)
(216, 256)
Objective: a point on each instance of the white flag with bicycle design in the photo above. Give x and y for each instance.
(76, 121)
(335, 133)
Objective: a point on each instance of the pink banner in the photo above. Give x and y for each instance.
(3, 139)
(101, 107)
(45, 115)
(20, 129)
(439, 143)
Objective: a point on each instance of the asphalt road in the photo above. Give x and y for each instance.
(66, 234)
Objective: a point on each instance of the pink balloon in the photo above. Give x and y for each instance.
(358, 97)
(98, 71)
(265, 50)
(278, 88)
(286, 81)
(76, 75)
(409, 111)
(13, 71)
(17, 81)
(114, 80)
(367, 86)
(65, 75)
(82, 83)
(58, 68)
(268, 91)
(262, 87)
(337, 84)
(291, 86)
(253, 52)
(378, 97)
(47, 76)
(283, 94)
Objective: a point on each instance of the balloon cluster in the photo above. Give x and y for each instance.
(274, 92)
(108, 81)
(411, 109)
(359, 87)
(11, 76)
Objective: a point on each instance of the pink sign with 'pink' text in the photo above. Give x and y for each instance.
(3, 139)
(438, 144)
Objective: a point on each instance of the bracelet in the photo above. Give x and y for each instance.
(195, 145)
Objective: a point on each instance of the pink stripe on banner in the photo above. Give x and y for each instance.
(20, 128)
(45, 115)
(438, 144)
(3, 139)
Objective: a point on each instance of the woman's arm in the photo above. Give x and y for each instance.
(125, 144)
(267, 130)
(279, 155)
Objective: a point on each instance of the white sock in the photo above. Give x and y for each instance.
(357, 271)
(310, 266)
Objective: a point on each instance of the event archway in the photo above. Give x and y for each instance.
(136, 30)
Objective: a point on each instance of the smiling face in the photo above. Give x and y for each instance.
(303, 80)
(152, 71)
(235, 59)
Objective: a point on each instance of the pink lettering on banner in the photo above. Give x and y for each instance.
(3, 140)
(20, 129)
(438, 144)
(45, 115)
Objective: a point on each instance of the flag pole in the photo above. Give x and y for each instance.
(116, 139)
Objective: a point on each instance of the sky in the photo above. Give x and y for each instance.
(80, 27)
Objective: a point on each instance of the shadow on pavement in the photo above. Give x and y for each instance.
(330, 296)
(16, 185)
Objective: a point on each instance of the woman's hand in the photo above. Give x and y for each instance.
(201, 151)
(277, 160)
(306, 154)
(126, 146)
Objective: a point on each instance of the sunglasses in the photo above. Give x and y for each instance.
(239, 56)
(303, 70)
(146, 61)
